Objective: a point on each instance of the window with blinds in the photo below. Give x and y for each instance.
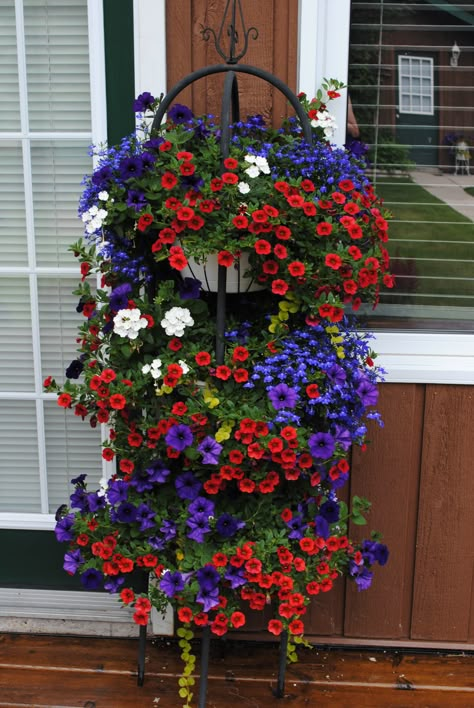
(45, 133)
(411, 78)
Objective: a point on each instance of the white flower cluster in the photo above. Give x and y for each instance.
(93, 219)
(257, 166)
(154, 368)
(326, 121)
(175, 321)
(128, 323)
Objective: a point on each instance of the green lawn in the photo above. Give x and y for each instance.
(431, 246)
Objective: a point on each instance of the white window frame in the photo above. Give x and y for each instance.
(406, 69)
(98, 134)
(408, 357)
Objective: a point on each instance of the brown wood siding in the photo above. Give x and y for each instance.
(417, 469)
(274, 51)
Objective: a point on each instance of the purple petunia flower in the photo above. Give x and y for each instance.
(228, 525)
(96, 501)
(92, 579)
(145, 517)
(189, 289)
(297, 527)
(235, 576)
(168, 529)
(157, 472)
(63, 529)
(210, 449)
(114, 583)
(79, 500)
(201, 505)
(199, 525)
(364, 579)
(367, 392)
(72, 561)
(179, 437)
(130, 167)
(208, 598)
(171, 583)
(322, 527)
(336, 375)
(136, 199)
(282, 396)
(126, 513)
(321, 445)
(117, 491)
(119, 297)
(187, 486)
(180, 114)
(343, 437)
(330, 511)
(208, 577)
(143, 102)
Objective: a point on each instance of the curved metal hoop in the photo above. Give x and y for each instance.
(244, 69)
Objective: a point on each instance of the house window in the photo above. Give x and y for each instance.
(414, 107)
(415, 89)
(46, 128)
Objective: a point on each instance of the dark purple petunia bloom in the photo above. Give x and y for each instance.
(141, 482)
(63, 529)
(208, 577)
(282, 396)
(322, 527)
(136, 199)
(364, 579)
(343, 437)
(79, 480)
(321, 445)
(157, 472)
(381, 553)
(79, 500)
(336, 375)
(143, 102)
(179, 437)
(114, 583)
(130, 167)
(72, 561)
(96, 501)
(117, 491)
(74, 370)
(297, 527)
(210, 449)
(168, 529)
(154, 143)
(180, 114)
(235, 576)
(201, 505)
(119, 297)
(102, 177)
(145, 517)
(199, 525)
(92, 579)
(189, 289)
(171, 583)
(126, 513)
(187, 486)
(227, 525)
(330, 511)
(367, 392)
(208, 598)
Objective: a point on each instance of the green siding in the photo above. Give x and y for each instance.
(119, 68)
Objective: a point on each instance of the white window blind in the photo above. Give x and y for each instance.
(415, 108)
(45, 130)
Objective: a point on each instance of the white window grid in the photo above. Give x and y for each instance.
(415, 85)
(44, 519)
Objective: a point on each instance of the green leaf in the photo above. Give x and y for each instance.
(359, 520)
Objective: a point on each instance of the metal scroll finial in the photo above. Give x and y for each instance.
(236, 35)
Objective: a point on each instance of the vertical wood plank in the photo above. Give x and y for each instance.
(178, 45)
(388, 475)
(285, 39)
(445, 552)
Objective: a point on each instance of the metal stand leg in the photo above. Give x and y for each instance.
(205, 645)
(279, 692)
(141, 656)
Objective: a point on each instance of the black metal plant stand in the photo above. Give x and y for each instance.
(231, 22)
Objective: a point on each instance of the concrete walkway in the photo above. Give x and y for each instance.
(449, 188)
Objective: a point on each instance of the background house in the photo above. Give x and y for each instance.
(69, 70)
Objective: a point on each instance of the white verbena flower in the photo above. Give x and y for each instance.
(128, 323)
(103, 196)
(249, 158)
(176, 320)
(243, 187)
(262, 164)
